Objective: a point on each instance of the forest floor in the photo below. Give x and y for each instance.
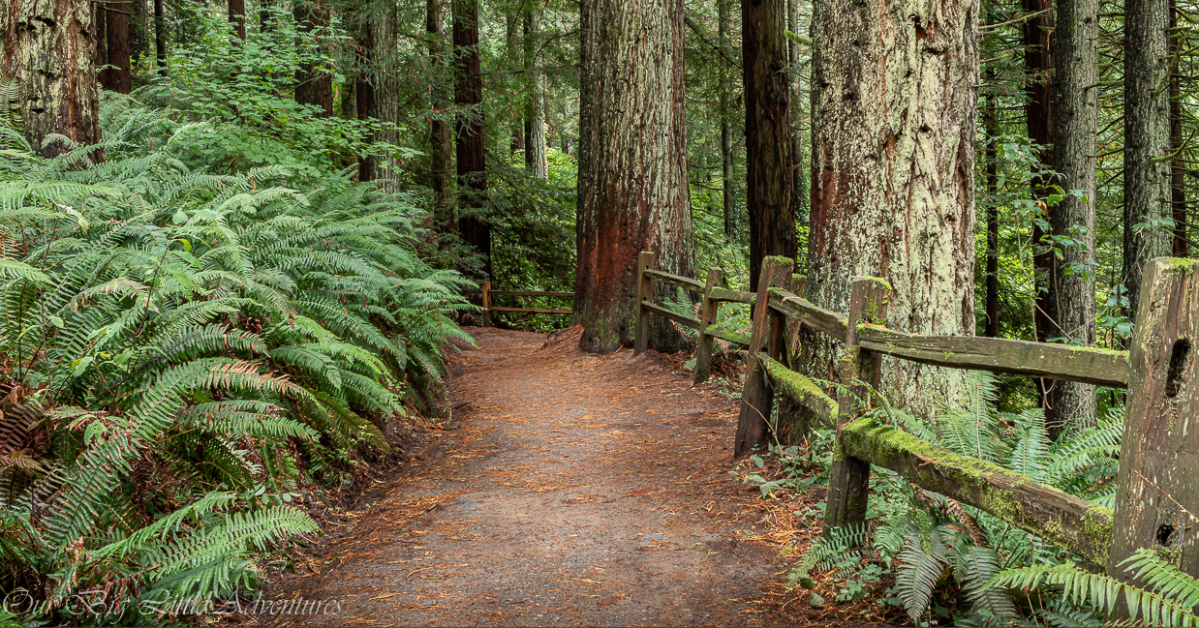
(571, 489)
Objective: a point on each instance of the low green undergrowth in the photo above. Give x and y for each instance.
(181, 352)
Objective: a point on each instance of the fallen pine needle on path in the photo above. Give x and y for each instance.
(570, 492)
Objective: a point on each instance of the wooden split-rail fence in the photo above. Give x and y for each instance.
(486, 294)
(1158, 480)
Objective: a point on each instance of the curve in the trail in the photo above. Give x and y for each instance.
(575, 490)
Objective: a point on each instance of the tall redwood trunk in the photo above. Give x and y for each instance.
(1071, 293)
(441, 146)
(768, 178)
(119, 76)
(894, 109)
(1178, 195)
(160, 36)
(237, 17)
(536, 159)
(991, 126)
(385, 101)
(470, 154)
(364, 89)
(48, 47)
(633, 192)
(1147, 211)
(728, 164)
(314, 86)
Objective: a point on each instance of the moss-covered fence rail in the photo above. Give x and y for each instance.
(1158, 480)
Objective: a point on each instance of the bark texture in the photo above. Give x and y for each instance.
(1146, 140)
(1038, 109)
(633, 193)
(237, 17)
(536, 158)
(314, 86)
(47, 48)
(1178, 195)
(991, 126)
(118, 77)
(894, 108)
(160, 36)
(386, 99)
(471, 156)
(1071, 294)
(440, 144)
(768, 179)
(727, 157)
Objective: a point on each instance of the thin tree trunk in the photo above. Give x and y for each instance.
(768, 179)
(118, 77)
(138, 30)
(314, 86)
(160, 37)
(364, 89)
(470, 151)
(47, 47)
(799, 197)
(633, 190)
(237, 17)
(440, 153)
(894, 108)
(1072, 282)
(1178, 195)
(386, 98)
(1147, 208)
(727, 156)
(536, 159)
(991, 124)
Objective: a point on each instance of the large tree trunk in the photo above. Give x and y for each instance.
(160, 37)
(1146, 140)
(1038, 109)
(894, 109)
(47, 48)
(237, 17)
(536, 159)
(314, 86)
(386, 97)
(440, 155)
(1071, 294)
(364, 89)
(728, 162)
(768, 179)
(633, 192)
(991, 126)
(138, 30)
(470, 153)
(119, 76)
(1178, 195)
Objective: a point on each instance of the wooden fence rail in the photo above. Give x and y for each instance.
(486, 293)
(1158, 483)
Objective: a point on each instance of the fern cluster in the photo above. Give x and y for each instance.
(178, 348)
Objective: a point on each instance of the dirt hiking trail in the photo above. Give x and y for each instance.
(573, 489)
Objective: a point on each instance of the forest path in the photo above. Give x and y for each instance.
(575, 490)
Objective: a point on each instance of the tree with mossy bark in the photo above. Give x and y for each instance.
(894, 106)
(633, 192)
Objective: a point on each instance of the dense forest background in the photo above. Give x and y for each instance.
(231, 270)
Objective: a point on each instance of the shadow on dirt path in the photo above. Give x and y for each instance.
(575, 490)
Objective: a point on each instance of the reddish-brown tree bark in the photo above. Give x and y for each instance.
(633, 192)
(237, 17)
(471, 158)
(769, 179)
(48, 46)
(118, 77)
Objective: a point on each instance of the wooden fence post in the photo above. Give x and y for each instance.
(793, 426)
(707, 316)
(1157, 498)
(486, 304)
(645, 292)
(757, 398)
(849, 479)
